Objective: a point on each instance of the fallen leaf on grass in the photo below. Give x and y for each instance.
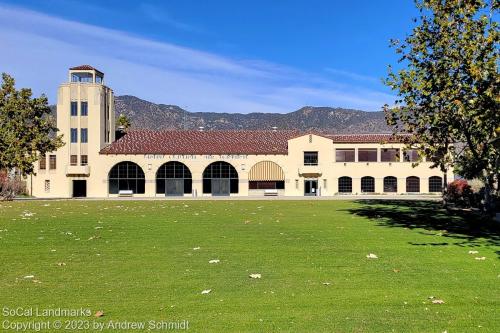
(61, 264)
(473, 252)
(206, 291)
(255, 276)
(214, 261)
(437, 301)
(29, 276)
(480, 258)
(196, 248)
(372, 256)
(326, 283)
(396, 270)
(99, 313)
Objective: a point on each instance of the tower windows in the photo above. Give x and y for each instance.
(84, 135)
(74, 109)
(74, 135)
(52, 162)
(84, 108)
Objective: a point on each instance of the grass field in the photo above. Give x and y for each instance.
(149, 260)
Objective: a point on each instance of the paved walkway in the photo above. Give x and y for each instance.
(336, 197)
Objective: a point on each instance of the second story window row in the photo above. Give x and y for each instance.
(84, 109)
(83, 135)
(371, 155)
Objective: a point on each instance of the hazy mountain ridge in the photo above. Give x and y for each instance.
(148, 115)
(144, 114)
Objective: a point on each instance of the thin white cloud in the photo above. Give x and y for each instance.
(352, 75)
(39, 48)
(159, 15)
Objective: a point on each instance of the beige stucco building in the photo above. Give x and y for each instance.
(144, 163)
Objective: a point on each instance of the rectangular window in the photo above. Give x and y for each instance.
(266, 185)
(47, 186)
(52, 162)
(84, 108)
(345, 155)
(74, 108)
(310, 158)
(42, 164)
(411, 155)
(367, 155)
(83, 134)
(84, 160)
(389, 155)
(74, 135)
(73, 159)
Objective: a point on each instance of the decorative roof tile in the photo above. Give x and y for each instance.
(85, 68)
(137, 142)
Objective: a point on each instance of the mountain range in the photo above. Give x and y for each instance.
(148, 115)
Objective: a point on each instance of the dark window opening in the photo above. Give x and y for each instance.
(84, 160)
(390, 184)
(389, 155)
(435, 184)
(126, 176)
(42, 164)
(174, 178)
(412, 184)
(368, 184)
(52, 162)
(220, 178)
(345, 185)
(84, 108)
(411, 155)
(367, 155)
(73, 160)
(345, 155)
(74, 108)
(266, 185)
(310, 158)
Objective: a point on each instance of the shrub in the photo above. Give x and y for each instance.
(459, 193)
(10, 186)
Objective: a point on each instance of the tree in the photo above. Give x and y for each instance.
(123, 120)
(27, 131)
(448, 86)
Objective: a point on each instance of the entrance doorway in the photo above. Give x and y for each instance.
(174, 187)
(79, 188)
(220, 187)
(311, 187)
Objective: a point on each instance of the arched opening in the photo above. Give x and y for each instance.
(367, 184)
(412, 184)
(126, 176)
(390, 184)
(435, 184)
(220, 178)
(345, 185)
(173, 179)
(266, 175)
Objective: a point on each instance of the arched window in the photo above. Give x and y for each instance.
(220, 178)
(390, 184)
(412, 184)
(126, 176)
(345, 185)
(435, 184)
(173, 178)
(368, 184)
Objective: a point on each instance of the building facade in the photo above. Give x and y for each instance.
(145, 163)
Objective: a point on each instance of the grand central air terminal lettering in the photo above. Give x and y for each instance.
(195, 157)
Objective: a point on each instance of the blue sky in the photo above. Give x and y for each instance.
(222, 56)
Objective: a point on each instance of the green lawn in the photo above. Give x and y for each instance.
(136, 260)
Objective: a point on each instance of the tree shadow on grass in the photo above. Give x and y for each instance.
(458, 228)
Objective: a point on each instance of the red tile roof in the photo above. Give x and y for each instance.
(85, 68)
(222, 142)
